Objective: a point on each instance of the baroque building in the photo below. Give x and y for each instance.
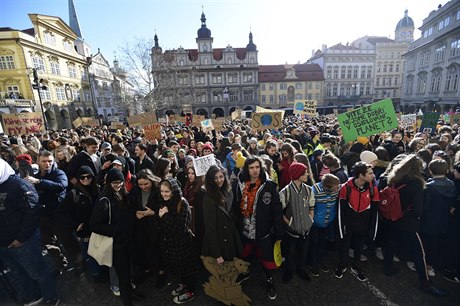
(432, 69)
(205, 80)
(281, 85)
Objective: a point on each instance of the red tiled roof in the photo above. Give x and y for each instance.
(277, 73)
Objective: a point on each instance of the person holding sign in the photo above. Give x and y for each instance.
(259, 216)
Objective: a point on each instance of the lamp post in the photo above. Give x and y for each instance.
(37, 86)
(355, 87)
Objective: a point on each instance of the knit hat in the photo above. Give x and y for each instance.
(313, 134)
(296, 170)
(114, 175)
(188, 159)
(106, 145)
(240, 160)
(85, 170)
(368, 156)
(191, 152)
(252, 140)
(363, 140)
(119, 161)
(24, 157)
(357, 147)
(207, 146)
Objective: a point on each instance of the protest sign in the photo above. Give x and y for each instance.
(22, 123)
(207, 125)
(305, 107)
(236, 114)
(368, 120)
(408, 120)
(454, 119)
(429, 122)
(117, 125)
(196, 120)
(77, 122)
(152, 131)
(218, 123)
(143, 118)
(267, 110)
(262, 121)
(202, 164)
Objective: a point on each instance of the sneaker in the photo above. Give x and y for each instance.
(396, 258)
(452, 277)
(271, 291)
(379, 253)
(430, 271)
(411, 265)
(325, 268)
(356, 271)
(314, 272)
(179, 290)
(51, 302)
(242, 277)
(339, 271)
(133, 285)
(351, 254)
(34, 302)
(115, 290)
(184, 297)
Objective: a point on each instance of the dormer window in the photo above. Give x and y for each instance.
(49, 38)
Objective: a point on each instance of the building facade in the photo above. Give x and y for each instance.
(432, 69)
(205, 80)
(281, 85)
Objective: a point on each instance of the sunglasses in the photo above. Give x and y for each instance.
(86, 177)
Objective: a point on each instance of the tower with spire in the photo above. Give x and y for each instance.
(204, 39)
(82, 47)
(404, 31)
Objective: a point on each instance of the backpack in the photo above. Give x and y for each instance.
(390, 203)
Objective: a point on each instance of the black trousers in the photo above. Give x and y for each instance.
(351, 239)
(296, 251)
(318, 238)
(122, 265)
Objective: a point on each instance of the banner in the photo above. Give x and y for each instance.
(22, 123)
(152, 131)
(368, 120)
(266, 110)
(454, 119)
(207, 125)
(305, 107)
(408, 120)
(429, 122)
(144, 118)
(270, 120)
(202, 164)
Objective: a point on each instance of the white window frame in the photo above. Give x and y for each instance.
(55, 68)
(7, 62)
(60, 94)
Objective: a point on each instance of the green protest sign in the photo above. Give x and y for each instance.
(429, 122)
(368, 120)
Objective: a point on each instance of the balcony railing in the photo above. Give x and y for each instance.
(16, 103)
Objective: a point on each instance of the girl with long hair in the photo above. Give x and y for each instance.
(408, 176)
(303, 159)
(162, 167)
(113, 217)
(287, 158)
(176, 245)
(192, 185)
(221, 237)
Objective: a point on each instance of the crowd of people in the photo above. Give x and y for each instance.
(301, 184)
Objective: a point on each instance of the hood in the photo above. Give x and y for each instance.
(5, 171)
(443, 186)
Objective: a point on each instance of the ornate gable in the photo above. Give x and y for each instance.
(53, 24)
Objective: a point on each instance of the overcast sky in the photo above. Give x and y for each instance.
(284, 31)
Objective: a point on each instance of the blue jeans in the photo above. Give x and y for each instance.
(30, 269)
(91, 262)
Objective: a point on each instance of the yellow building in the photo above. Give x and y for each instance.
(281, 85)
(49, 47)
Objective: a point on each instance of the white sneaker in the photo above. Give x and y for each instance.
(115, 290)
(351, 254)
(411, 265)
(379, 253)
(430, 271)
(396, 258)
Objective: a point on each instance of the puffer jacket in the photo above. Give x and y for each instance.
(52, 189)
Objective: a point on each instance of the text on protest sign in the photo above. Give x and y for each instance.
(207, 125)
(408, 120)
(262, 121)
(152, 131)
(368, 120)
(202, 164)
(236, 114)
(267, 110)
(429, 122)
(218, 123)
(23, 123)
(305, 107)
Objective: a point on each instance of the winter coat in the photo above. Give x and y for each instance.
(147, 163)
(176, 244)
(19, 210)
(221, 236)
(79, 160)
(438, 197)
(284, 177)
(52, 190)
(349, 159)
(325, 206)
(82, 205)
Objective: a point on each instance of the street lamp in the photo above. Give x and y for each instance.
(38, 86)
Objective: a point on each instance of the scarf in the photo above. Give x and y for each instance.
(249, 196)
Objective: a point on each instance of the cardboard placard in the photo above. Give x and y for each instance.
(429, 122)
(23, 123)
(202, 164)
(77, 122)
(152, 131)
(408, 120)
(368, 120)
(144, 118)
(196, 120)
(270, 120)
(306, 107)
(266, 110)
(218, 124)
(207, 125)
(236, 114)
(117, 126)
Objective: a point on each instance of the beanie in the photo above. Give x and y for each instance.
(363, 140)
(114, 175)
(85, 170)
(24, 157)
(207, 146)
(296, 170)
(240, 160)
(368, 156)
(252, 140)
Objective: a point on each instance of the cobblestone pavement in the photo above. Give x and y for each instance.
(401, 289)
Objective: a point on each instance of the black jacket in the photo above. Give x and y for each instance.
(52, 190)
(147, 163)
(79, 160)
(19, 210)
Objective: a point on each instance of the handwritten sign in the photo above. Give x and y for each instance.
(262, 121)
(152, 131)
(267, 110)
(305, 107)
(429, 122)
(196, 120)
(23, 123)
(116, 125)
(236, 114)
(218, 124)
(207, 125)
(408, 120)
(202, 164)
(77, 122)
(368, 120)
